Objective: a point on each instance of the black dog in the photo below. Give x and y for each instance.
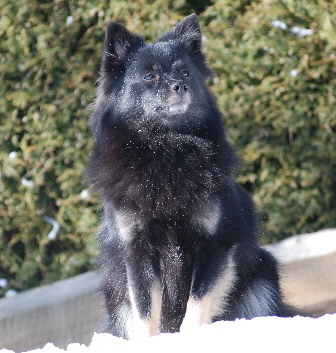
(179, 240)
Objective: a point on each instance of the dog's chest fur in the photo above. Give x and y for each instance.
(157, 174)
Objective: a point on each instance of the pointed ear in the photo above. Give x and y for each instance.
(187, 31)
(119, 44)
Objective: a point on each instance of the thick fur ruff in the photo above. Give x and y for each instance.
(179, 241)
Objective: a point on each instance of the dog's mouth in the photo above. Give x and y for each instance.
(174, 107)
(178, 108)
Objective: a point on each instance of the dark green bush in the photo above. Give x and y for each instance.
(277, 91)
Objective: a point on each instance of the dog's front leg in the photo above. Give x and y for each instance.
(176, 278)
(213, 282)
(145, 296)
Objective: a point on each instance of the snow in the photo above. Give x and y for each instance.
(13, 155)
(69, 20)
(294, 73)
(3, 282)
(301, 32)
(11, 293)
(27, 183)
(298, 31)
(85, 194)
(279, 24)
(305, 246)
(265, 334)
(56, 226)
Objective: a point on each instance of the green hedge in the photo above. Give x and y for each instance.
(277, 90)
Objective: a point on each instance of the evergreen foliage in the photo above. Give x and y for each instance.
(275, 83)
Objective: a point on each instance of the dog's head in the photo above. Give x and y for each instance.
(164, 80)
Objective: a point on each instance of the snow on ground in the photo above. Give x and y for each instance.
(265, 334)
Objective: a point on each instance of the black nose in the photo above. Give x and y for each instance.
(179, 87)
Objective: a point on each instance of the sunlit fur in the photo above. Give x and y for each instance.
(179, 241)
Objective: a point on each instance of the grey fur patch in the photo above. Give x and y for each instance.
(260, 299)
(208, 216)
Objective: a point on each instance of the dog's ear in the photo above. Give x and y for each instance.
(119, 44)
(187, 31)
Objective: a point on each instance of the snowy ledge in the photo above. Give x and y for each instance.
(265, 334)
(304, 246)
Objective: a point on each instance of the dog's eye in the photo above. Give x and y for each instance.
(149, 77)
(185, 73)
